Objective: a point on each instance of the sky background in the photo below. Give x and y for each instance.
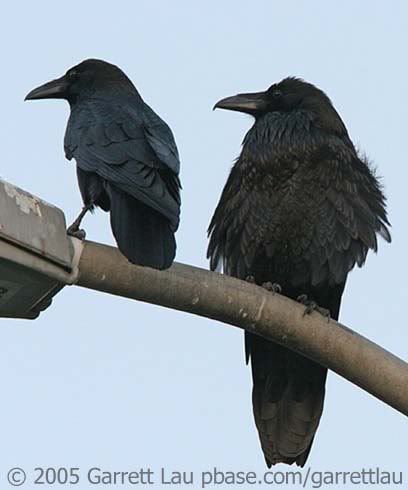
(104, 381)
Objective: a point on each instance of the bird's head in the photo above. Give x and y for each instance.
(291, 94)
(83, 80)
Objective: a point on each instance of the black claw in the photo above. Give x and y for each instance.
(272, 287)
(302, 299)
(75, 232)
(325, 312)
(312, 306)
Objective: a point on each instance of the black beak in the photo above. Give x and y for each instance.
(56, 89)
(248, 103)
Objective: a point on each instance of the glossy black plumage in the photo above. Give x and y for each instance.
(300, 208)
(127, 159)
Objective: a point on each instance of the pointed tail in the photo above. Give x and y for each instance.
(288, 396)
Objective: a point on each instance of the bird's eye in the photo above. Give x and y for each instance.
(276, 94)
(72, 73)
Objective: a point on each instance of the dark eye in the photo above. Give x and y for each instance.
(72, 73)
(276, 94)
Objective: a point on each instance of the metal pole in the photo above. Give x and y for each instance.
(252, 308)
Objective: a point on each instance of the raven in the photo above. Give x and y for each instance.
(127, 160)
(300, 208)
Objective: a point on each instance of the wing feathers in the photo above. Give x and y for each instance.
(129, 150)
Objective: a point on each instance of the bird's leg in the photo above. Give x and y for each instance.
(73, 230)
(273, 287)
(312, 306)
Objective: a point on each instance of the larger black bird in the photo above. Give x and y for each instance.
(127, 159)
(300, 209)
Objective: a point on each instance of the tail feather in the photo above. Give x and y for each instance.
(143, 235)
(288, 396)
(288, 389)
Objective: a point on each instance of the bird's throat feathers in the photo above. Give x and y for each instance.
(293, 133)
(277, 132)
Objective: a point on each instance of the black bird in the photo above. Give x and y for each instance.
(127, 159)
(300, 208)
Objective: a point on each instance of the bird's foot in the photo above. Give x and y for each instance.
(250, 279)
(74, 231)
(273, 287)
(312, 306)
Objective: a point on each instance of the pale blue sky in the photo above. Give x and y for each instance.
(126, 385)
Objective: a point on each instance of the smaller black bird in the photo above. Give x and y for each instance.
(127, 160)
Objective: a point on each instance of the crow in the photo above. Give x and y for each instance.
(127, 160)
(300, 208)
